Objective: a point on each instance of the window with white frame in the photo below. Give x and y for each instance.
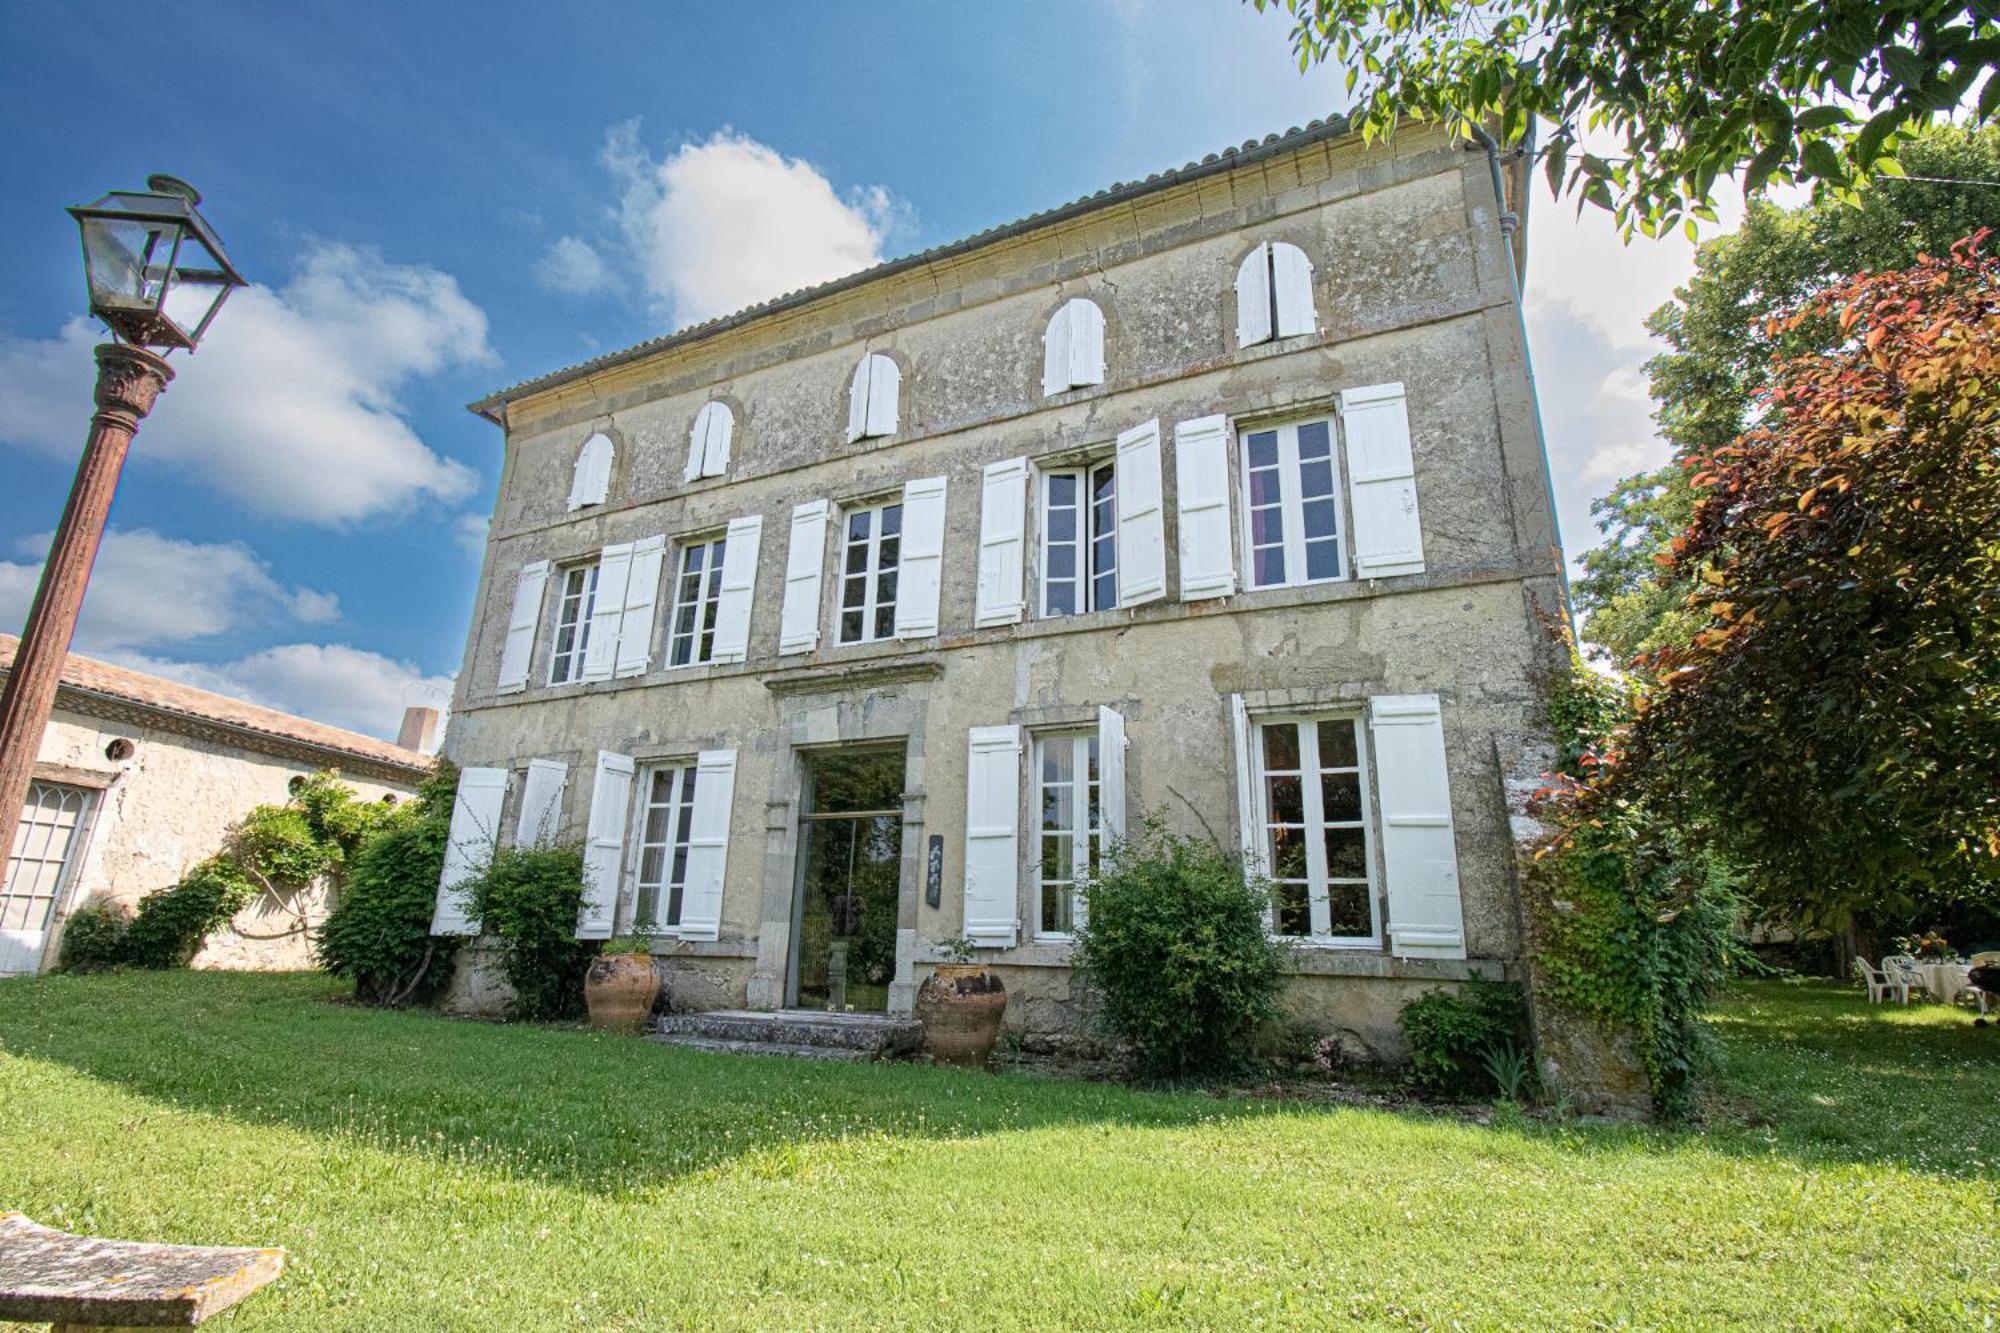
(1313, 812)
(697, 593)
(666, 824)
(1080, 540)
(1291, 497)
(871, 549)
(36, 874)
(1068, 784)
(573, 612)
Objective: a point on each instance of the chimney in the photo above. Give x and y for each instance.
(419, 729)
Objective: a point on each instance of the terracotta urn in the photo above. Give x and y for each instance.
(960, 1006)
(619, 989)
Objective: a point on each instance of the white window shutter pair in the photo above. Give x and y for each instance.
(1073, 347)
(540, 821)
(468, 848)
(590, 482)
(708, 442)
(708, 844)
(1207, 546)
(1003, 543)
(872, 397)
(1142, 519)
(920, 568)
(525, 618)
(805, 561)
(604, 845)
(1382, 476)
(737, 588)
(1274, 294)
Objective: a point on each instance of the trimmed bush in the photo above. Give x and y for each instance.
(1452, 1036)
(528, 898)
(1177, 946)
(93, 939)
(172, 923)
(379, 934)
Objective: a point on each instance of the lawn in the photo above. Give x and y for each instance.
(426, 1173)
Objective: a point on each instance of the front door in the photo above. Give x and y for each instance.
(852, 838)
(45, 843)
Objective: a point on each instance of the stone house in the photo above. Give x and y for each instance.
(139, 778)
(862, 620)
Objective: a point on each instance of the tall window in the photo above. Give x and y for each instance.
(1080, 540)
(870, 552)
(579, 599)
(1292, 498)
(36, 873)
(1072, 822)
(697, 590)
(1315, 820)
(666, 817)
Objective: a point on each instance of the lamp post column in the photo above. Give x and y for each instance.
(128, 380)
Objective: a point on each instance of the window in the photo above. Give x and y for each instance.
(1274, 295)
(697, 593)
(46, 839)
(870, 554)
(1080, 540)
(1072, 826)
(1292, 499)
(1313, 814)
(666, 824)
(579, 599)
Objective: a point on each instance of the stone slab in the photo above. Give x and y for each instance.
(53, 1276)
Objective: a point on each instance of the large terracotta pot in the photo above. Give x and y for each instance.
(619, 989)
(960, 1006)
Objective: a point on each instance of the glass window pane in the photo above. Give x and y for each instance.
(1062, 562)
(1294, 915)
(651, 862)
(1281, 746)
(1058, 857)
(1323, 560)
(850, 626)
(1347, 906)
(1315, 479)
(1340, 795)
(1062, 524)
(1104, 592)
(1056, 914)
(858, 524)
(1062, 599)
(1314, 440)
(1336, 744)
(1288, 854)
(885, 621)
(1270, 564)
(1321, 518)
(1264, 487)
(1062, 489)
(1346, 853)
(1262, 447)
(892, 520)
(1057, 765)
(887, 557)
(1285, 801)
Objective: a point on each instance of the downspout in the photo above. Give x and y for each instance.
(1510, 224)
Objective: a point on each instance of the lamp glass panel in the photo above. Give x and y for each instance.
(126, 261)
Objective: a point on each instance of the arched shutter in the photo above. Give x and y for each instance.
(857, 401)
(1142, 519)
(1253, 297)
(1056, 353)
(1292, 290)
(1086, 343)
(468, 848)
(521, 626)
(805, 562)
(1003, 541)
(885, 387)
(590, 483)
(920, 570)
(993, 835)
(708, 844)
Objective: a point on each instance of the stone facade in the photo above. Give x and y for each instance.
(1413, 283)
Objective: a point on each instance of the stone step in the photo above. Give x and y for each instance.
(722, 1046)
(869, 1034)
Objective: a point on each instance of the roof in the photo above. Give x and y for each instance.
(105, 681)
(1228, 159)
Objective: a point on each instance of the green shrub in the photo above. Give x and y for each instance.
(172, 922)
(379, 932)
(93, 939)
(1459, 1042)
(527, 898)
(1176, 945)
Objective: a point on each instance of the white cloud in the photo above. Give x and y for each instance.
(726, 223)
(148, 590)
(331, 683)
(291, 403)
(470, 533)
(573, 266)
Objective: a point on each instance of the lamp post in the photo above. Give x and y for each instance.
(157, 276)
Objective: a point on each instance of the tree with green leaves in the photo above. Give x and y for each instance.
(1691, 92)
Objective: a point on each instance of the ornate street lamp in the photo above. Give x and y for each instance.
(157, 276)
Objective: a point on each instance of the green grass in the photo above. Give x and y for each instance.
(425, 1173)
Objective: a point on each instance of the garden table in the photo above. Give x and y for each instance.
(1944, 979)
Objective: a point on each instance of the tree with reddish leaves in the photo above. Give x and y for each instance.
(1836, 728)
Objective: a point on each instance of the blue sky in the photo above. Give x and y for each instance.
(438, 200)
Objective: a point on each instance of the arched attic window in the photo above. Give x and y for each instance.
(708, 442)
(591, 482)
(1274, 294)
(871, 398)
(1073, 347)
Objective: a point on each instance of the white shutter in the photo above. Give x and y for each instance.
(590, 482)
(1292, 286)
(1201, 472)
(715, 446)
(521, 626)
(1253, 297)
(805, 561)
(1111, 772)
(921, 567)
(468, 848)
(614, 573)
(1242, 735)
(540, 821)
(642, 593)
(885, 386)
(604, 847)
(1056, 353)
(739, 584)
(697, 446)
(1382, 475)
(1086, 342)
(708, 844)
(992, 835)
(1419, 855)
(1003, 543)
(857, 400)
(1142, 517)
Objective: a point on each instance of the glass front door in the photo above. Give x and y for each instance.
(852, 838)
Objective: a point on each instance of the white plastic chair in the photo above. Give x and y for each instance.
(1879, 983)
(1902, 969)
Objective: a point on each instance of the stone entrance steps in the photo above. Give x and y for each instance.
(806, 1034)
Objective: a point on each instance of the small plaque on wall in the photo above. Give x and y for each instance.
(934, 871)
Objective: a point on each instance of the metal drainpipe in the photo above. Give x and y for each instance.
(1510, 223)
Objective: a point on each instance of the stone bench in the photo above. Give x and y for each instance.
(78, 1283)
